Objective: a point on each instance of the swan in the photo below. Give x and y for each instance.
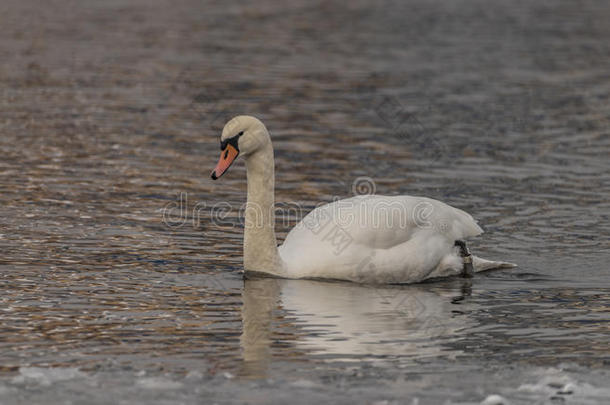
(371, 239)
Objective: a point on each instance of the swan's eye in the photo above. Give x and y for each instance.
(240, 133)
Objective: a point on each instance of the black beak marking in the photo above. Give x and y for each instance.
(231, 141)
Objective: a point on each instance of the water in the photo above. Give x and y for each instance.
(111, 113)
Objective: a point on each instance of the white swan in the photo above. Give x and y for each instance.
(367, 239)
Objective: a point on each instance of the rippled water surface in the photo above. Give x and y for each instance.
(110, 117)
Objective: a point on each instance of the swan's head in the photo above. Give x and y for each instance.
(242, 135)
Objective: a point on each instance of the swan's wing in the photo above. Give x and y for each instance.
(385, 221)
(389, 232)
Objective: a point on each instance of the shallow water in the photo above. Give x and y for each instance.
(121, 267)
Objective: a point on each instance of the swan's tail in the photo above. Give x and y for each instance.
(482, 264)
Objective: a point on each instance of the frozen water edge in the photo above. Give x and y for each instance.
(45, 377)
(567, 384)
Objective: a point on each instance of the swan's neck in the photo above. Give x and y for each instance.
(260, 245)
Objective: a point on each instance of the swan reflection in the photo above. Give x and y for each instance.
(349, 322)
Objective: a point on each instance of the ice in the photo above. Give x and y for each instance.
(46, 376)
(194, 375)
(554, 383)
(302, 383)
(495, 400)
(158, 383)
(4, 390)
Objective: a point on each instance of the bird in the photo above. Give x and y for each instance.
(369, 239)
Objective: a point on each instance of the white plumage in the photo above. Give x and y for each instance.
(368, 239)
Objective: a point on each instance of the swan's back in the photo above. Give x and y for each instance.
(375, 238)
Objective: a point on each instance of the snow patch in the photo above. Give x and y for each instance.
(303, 384)
(46, 376)
(554, 384)
(158, 383)
(495, 400)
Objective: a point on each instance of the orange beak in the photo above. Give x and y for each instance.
(227, 156)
